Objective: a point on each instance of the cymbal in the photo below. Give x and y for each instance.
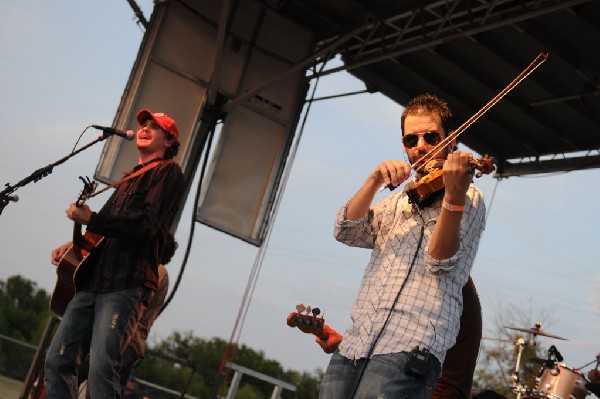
(536, 331)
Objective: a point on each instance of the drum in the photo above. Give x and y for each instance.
(579, 390)
(559, 382)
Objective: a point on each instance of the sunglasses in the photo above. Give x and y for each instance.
(411, 140)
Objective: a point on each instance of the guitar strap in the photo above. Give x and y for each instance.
(124, 179)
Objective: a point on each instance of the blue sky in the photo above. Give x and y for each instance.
(64, 66)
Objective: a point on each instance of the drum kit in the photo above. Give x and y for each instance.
(555, 379)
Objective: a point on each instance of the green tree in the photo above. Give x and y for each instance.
(182, 361)
(307, 385)
(23, 315)
(203, 357)
(23, 309)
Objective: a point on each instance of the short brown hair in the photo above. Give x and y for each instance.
(431, 104)
(171, 152)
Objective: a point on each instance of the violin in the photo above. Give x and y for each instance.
(429, 187)
(432, 184)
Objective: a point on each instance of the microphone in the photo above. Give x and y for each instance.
(13, 198)
(559, 357)
(126, 134)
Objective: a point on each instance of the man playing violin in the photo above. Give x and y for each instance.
(407, 313)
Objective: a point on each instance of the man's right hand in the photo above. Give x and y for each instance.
(392, 173)
(58, 253)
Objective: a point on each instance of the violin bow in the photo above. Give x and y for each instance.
(539, 60)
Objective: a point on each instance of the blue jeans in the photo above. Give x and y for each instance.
(383, 377)
(108, 319)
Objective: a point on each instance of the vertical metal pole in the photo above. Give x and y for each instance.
(276, 392)
(37, 364)
(235, 383)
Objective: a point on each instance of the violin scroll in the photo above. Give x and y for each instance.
(423, 193)
(485, 165)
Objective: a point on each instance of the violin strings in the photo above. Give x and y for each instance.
(539, 60)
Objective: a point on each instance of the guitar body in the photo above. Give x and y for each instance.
(75, 267)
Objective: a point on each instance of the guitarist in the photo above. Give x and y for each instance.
(111, 298)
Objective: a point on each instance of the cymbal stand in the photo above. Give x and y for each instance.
(516, 386)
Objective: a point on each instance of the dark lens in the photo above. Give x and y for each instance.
(410, 140)
(432, 138)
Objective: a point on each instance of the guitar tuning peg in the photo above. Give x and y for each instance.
(316, 312)
(300, 308)
(308, 309)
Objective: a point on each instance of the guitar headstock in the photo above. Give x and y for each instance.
(89, 187)
(307, 320)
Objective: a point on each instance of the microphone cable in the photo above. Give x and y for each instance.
(389, 315)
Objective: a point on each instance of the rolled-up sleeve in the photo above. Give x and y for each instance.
(354, 233)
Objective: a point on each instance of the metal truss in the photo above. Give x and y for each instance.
(433, 24)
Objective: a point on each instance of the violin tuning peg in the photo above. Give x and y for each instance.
(308, 310)
(300, 308)
(316, 312)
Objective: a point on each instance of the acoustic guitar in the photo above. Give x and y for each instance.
(77, 264)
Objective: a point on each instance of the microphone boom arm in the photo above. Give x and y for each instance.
(39, 174)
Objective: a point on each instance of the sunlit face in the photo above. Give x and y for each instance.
(151, 138)
(425, 126)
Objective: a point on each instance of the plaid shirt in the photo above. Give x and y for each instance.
(134, 222)
(427, 313)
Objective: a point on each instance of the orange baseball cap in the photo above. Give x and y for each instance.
(165, 122)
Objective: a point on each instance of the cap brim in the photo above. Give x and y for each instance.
(144, 115)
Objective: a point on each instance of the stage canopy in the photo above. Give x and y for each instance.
(247, 63)
(467, 51)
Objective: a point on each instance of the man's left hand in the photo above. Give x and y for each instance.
(457, 177)
(79, 215)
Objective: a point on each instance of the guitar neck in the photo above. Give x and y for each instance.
(78, 238)
(321, 334)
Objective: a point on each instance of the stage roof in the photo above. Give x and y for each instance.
(467, 52)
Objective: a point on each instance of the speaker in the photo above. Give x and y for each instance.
(184, 52)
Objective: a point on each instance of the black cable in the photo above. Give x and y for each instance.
(372, 349)
(193, 222)
(138, 13)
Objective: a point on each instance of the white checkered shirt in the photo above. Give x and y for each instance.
(428, 310)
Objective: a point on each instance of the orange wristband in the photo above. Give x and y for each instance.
(453, 208)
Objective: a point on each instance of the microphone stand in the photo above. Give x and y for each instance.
(36, 176)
